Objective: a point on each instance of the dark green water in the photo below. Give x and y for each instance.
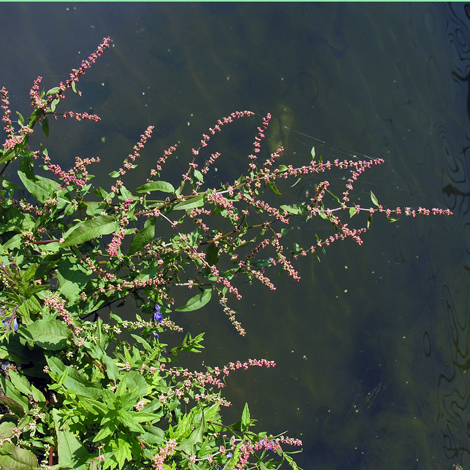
(372, 345)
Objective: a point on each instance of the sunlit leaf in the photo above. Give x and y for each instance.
(20, 119)
(48, 334)
(12, 457)
(191, 203)
(90, 229)
(41, 188)
(374, 199)
(53, 91)
(156, 186)
(197, 302)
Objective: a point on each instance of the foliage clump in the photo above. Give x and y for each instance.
(74, 393)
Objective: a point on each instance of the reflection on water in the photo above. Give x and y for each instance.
(372, 345)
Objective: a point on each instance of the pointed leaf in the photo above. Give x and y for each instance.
(156, 186)
(374, 199)
(245, 417)
(20, 382)
(144, 237)
(101, 225)
(197, 302)
(75, 380)
(12, 457)
(15, 407)
(71, 451)
(197, 201)
(212, 254)
(41, 188)
(20, 119)
(48, 334)
(273, 187)
(45, 127)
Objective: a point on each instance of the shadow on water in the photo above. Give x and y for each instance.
(372, 345)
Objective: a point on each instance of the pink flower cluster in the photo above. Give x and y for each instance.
(247, 448)
(218, 127)
(56, 303)
(203, 379)
(36, 101)
(116, 242)
(220, 201)
(130, 160)
(7, 125)
(76, 74)
(80, 116)
(258, 139)
(77, 176)
(161, 161)
(158, 461)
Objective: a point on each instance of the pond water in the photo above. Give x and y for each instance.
(372, 345)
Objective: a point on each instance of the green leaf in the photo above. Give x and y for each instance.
(48, 334)
(54, 104)
(90, 229)
(245, 423)
(20, 382)
(273, 187)
(352, 211)
(71, 451)
(197, 201)
(72, 280)
(53, 91)
(41, 188)
(15, 407)
(197, 302)
(198, 175)
(111, 368)
(297, 182)
(196, 437)
(126, 418)
(14, 242)
(122, 451)
(144, 237)
(38, 395)
(156, 186)
(374, 199)
(212, 254)
(20, 119)
(294, 209)
(12, 457)
(313, 153)
(45, 127)
(75, 380)
(136, 381)
(6, 430)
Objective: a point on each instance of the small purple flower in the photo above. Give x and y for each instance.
(7, 322)
(157, 317)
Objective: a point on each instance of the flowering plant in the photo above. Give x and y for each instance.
(74, 393)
